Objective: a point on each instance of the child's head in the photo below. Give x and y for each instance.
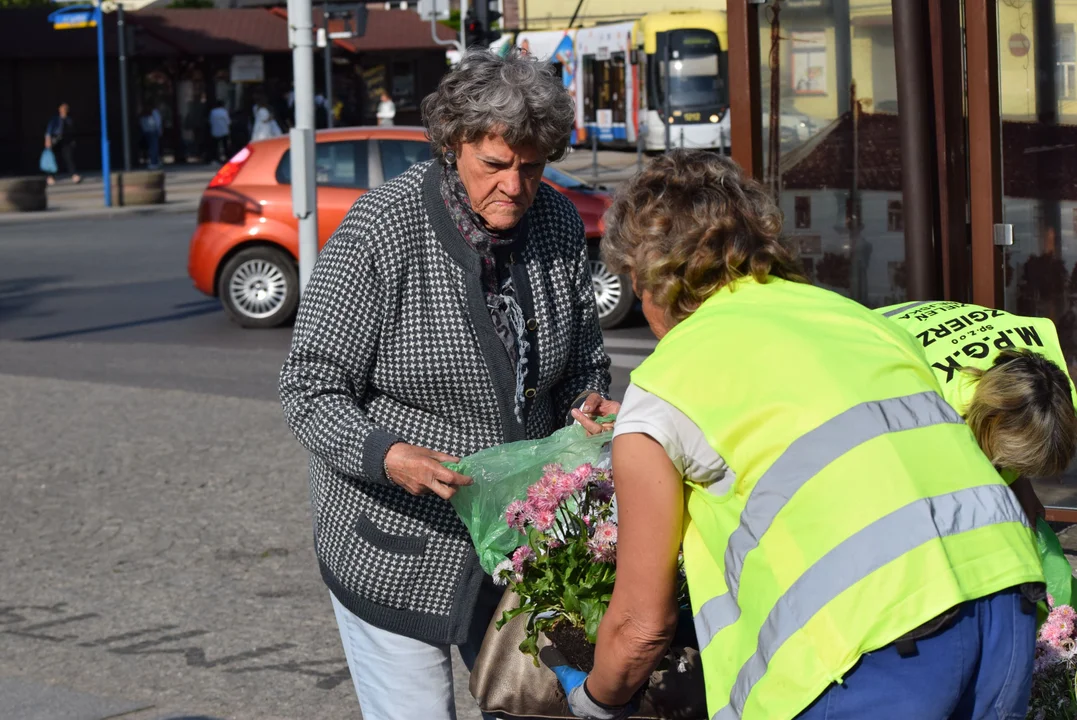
(688, 225)
(1022, 414)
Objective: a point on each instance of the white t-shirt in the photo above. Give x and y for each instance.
(220, 122)
(683, 441)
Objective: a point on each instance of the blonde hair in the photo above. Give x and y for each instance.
(690, 224)
(1022, 414)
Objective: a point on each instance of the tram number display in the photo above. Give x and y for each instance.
(602, 54)
(693, 117)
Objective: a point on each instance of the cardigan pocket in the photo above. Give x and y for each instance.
(392, 564)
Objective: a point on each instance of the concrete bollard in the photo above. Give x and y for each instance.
(23, 194)
(138, 187)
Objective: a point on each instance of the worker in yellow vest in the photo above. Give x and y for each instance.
(850, 552)
(1005, 375)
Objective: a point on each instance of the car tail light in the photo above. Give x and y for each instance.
(227, 174)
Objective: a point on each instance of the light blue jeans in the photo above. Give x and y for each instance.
(399, 677)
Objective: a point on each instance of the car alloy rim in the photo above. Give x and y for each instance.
(258, 288)
(607, 288)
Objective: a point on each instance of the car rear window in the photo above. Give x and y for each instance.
(399, 155)
(338, 164)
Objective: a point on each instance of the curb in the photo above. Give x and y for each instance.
(180, 206)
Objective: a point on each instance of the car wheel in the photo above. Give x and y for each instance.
(259, 287)
(613, 294)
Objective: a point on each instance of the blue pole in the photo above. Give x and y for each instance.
(106, 166)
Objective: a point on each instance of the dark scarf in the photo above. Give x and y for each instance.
(474, 231)
(497, 284)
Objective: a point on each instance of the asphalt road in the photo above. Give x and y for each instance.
(156, 556)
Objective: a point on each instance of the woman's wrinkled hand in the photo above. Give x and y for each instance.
(596, 406)
(420, 471)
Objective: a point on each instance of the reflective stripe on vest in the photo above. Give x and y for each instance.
(880, 543)
(800, 462)
(903, 308)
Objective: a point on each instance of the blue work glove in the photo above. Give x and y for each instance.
(580, 702)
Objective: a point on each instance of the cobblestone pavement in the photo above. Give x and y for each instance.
(157, 557)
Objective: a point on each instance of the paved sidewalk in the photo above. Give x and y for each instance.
(183, 189)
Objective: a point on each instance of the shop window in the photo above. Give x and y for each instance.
(802, 212)
(1066, 62)
(403, 88)
(895, 216)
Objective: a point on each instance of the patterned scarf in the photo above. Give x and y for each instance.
(505, 312)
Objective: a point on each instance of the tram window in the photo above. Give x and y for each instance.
(617, 85)
(589, 88)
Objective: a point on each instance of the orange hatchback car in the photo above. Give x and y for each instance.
(245, 248)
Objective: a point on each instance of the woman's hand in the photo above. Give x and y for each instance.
(420, 471)
(1026, 495)
(596, 406)
(573, 682)
(48, 142)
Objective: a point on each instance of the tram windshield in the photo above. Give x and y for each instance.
(696, 73)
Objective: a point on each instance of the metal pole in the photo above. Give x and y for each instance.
(463, 23)
(666, 106)
(106, 166)
(594, 154)
(328, 66)
(917, 147)
(121, 44)
(304, 194)
(639, 146)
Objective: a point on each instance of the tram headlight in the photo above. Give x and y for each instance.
(715, 118)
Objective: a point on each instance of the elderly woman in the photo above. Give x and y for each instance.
(850, 552)
(451, 311)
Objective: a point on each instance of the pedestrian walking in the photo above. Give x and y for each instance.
(150, 124)
(452, 310)
(220, 127)
(60, 138)
(386, 109)
(265, 126)
(849, 550)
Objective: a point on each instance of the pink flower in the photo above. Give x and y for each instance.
(543, 496)
(1064, 612)
(521, 556)
(1054, 632)
(605, 533)
(565, 486)
(584, 474)
(516, 514)
(1050, 601)
(543, 520)
(602, 553)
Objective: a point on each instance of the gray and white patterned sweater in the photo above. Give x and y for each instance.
(393, 341)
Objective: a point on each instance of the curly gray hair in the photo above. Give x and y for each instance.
(516, 96)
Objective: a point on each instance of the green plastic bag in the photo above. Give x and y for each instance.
(503, 473)
(1056, 568)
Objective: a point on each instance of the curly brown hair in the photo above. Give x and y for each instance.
(690, 224)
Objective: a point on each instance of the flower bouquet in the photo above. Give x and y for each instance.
(564, 574)
(560, 580)
(1054, 696)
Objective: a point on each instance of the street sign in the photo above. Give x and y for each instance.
(353, 19)
(247, 69)
(433, 10)
(1019, 44)
(74, 20)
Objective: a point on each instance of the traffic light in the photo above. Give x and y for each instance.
(474, 32)
(479, 26)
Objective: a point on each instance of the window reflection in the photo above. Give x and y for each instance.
(832, 144)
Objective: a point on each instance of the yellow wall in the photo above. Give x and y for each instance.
(1018, 74)
(555, 14)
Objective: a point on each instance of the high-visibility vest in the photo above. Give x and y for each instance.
(862, 506)
(956, 335)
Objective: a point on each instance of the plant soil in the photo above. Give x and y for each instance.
(572, 642)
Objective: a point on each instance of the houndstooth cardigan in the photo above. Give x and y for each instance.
(393, 342)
